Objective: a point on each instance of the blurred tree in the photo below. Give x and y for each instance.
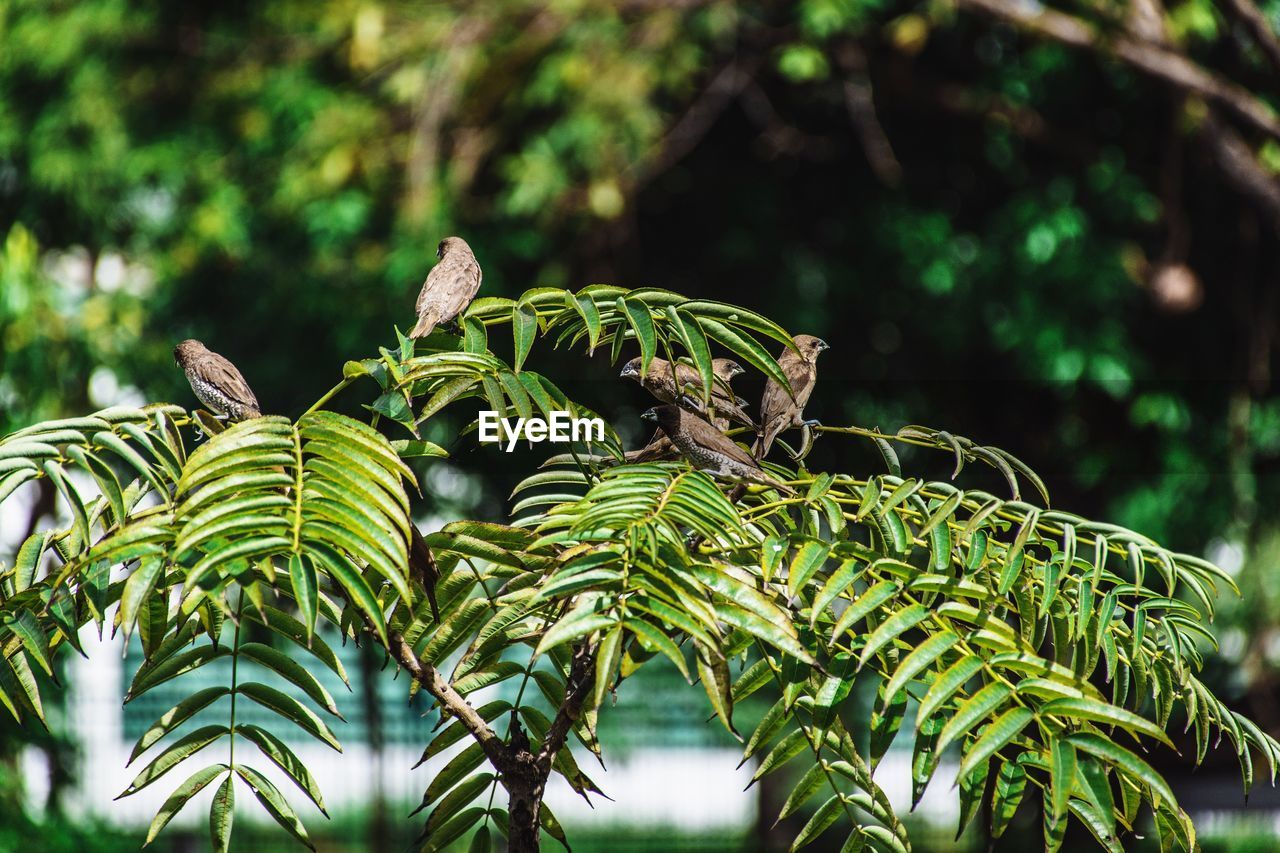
(1077, 201)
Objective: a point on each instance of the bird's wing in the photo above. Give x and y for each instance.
(659, 382)
(222, 374)
(803, 376)
(450, 287)
(774, 403)
(711, 438)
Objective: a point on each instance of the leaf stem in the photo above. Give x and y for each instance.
(235, 665)
(330, 394)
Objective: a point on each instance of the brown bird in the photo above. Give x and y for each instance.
(780, 410)
(659, 448)
(708, 448)
(449, 288)
(669, 385)
(423, 568)
(216, 382)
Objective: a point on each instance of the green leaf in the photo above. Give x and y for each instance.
(586, 308)
(181, 750)
(524, 328)
(773, 633)
(576, 624)
(783, 751)
(292, 671)
(900, 622)
(302, 577)
(275, 803)
(1062, 775)
(641, 323)
(176, 716)
(457, 769)
(27, 629)
(1137, 769)
(973, 710)
(1010, 785)
(356, 587)
(1102, 712)
(196, 783)
(291, 709)
(821, 821)
(222, 814)
(1004, 729)
(655, 639)
(149, 676)
(808, 560)
(286, 626)
(695, 343)
(839, 581)
(865, 604)
(138, 589)
(713, 670)
(608, 653)
(279, 754)
(920, 658)
(746, 347)
(810, 783)
(456, 800)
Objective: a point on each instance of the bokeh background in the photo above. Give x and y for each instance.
(1033, 245)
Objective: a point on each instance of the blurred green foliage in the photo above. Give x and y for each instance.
(273, 178)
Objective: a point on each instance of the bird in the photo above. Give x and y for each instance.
(668, 384)
(780, 410)
(423, 568)
(449, 288)
(708, 448)
(659, 448)
(216, 382)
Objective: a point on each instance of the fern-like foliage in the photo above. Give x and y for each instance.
(1046, 652)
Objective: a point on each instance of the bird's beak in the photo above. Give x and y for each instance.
(650, 415)
(823, 345)
(628, 371)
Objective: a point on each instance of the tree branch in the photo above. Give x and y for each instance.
(1152, 59)
(582, 677)
(1259, 29)
(450, 700)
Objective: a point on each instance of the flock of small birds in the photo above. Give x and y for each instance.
(685, 427)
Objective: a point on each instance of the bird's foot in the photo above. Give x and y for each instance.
(811, 423)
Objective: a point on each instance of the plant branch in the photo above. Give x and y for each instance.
(578, 686)
(451, 701)
(1247, 12)
(1154, 60)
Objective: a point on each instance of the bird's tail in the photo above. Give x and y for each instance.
(426, 324)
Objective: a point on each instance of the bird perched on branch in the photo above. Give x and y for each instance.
(659, 448)
(780, 410)
(671, 383)
(708, 448)
(449, 288)
(216, 382)
(423, 568)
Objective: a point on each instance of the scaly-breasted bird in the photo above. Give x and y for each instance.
(216, 382)
(670, 385)
(449, 288)
(708, 448)
(780, 410)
